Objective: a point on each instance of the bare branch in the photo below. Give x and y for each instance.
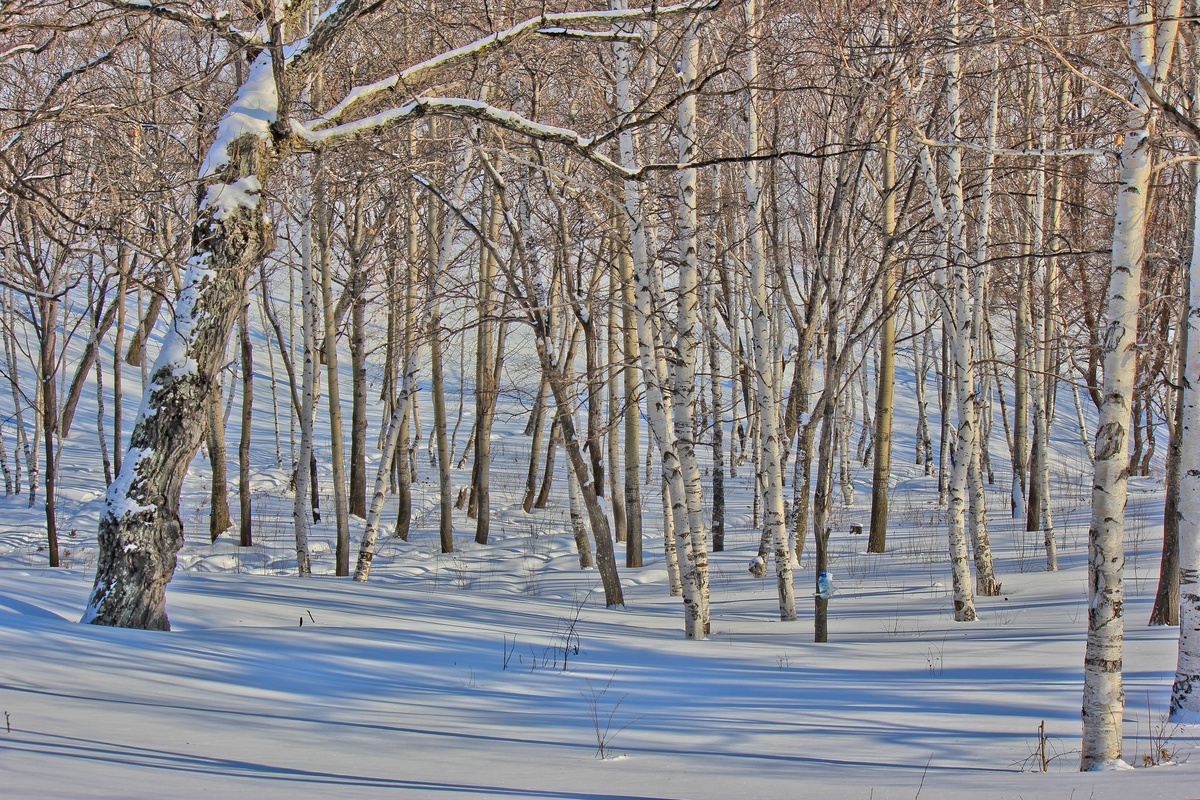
(213, 24)
(552, 24)
(1172, 112)
(458, 107)
(1020, 152)
(595, 36)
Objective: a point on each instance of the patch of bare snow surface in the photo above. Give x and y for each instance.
(495, 670)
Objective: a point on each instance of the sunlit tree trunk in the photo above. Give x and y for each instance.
(885, 379)
(1185, 692)
(633, 435)
(303, 475)
(659, 405)
(1103, 689)
(767, 390)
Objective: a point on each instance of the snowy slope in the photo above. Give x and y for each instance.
(485, 673)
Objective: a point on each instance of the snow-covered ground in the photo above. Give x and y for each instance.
(496, 671)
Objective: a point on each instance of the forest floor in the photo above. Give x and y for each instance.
(496, 671)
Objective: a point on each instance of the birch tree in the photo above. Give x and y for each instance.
(1150, 47)
(766, 386)
(1185, 690)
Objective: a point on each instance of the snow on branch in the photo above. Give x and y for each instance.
(545, 24)
(1063, 152)
(252, 113)
(458, 107)
(24, 48)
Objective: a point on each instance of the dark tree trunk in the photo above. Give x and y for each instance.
(246, 538)
(139, 533)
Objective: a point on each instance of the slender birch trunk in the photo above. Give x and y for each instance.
(329, 354)
(885, 378)
(1037, 515)
(954, 297)
(1185, 691)
(687, 329)
(766, 387)
(612, 422)
(410, 350)
(1103, 689)
(633, 435)
(718, 423)
(304, 455)
(985, 576)
(659, 405)
(26, 448)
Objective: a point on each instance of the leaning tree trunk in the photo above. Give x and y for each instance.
(392, 446)
(139, 531)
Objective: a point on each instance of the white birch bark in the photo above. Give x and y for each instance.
(952, 295)
(766, 387)
(27, 450)
(659, 406)
(578, 528)
(985, 577)
(1103, 689)
(1185, 691)
(718, 421)
(304, 456)
(392, 447)
(687, 329)
(1039, 468)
